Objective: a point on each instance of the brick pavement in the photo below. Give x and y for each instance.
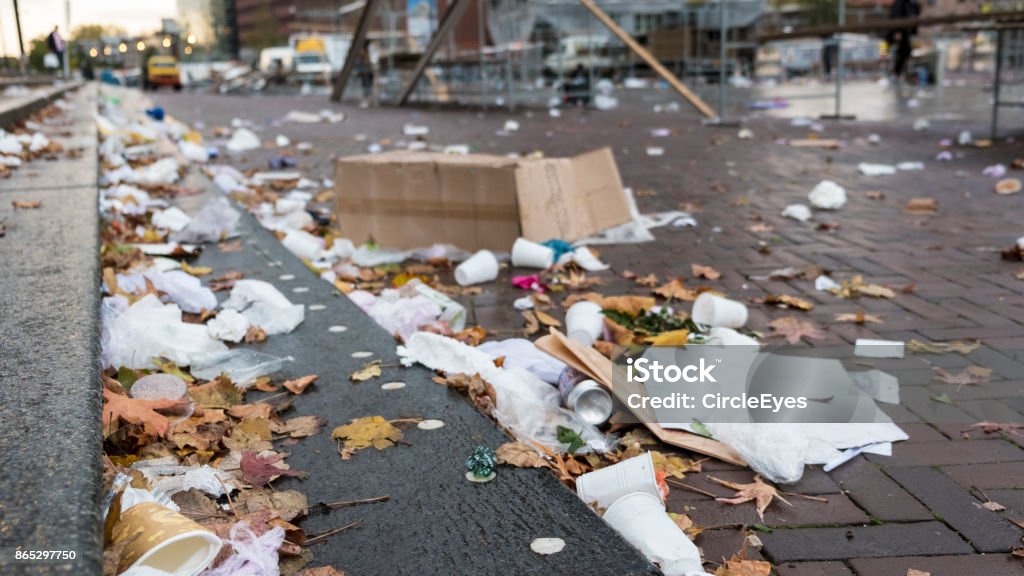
(883, 515)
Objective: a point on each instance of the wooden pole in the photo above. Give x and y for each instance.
(448, 21)
(651, 61)
(355, 50)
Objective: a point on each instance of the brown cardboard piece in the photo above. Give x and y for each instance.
(412, 199)
(593, 364)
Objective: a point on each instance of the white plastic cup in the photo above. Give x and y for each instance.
(480, 267)
(722, 336)
(527, 254)
(584, 322)
(606, 485)
(641, 519)
(717, 311)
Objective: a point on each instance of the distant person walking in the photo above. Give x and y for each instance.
(365, 71)
(56, 45)
(899, 39)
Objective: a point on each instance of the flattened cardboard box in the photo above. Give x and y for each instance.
(412, 199)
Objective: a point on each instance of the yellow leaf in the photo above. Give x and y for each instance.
(196, 270)
(670, 338)
(673, 465)
(632, 305)
(789, 301)
(168, 367)
(365, 432)
(370, 370)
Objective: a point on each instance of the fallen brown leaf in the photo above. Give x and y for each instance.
(676, 290)
(299, 385)
(970, 376)
(859, 318)
(520, 455)
(793, 330)
(708, 272)
(26, 204)
(757, 491)
(921, 205)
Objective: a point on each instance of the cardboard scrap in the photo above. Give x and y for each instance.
(405, 199)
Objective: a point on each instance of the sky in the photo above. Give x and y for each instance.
(39, 16)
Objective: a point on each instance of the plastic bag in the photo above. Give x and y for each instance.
(827, 195)
(304, 245)
(171, 218)
(242, 365)
(228, 325)
(243, 140)
(521, 354)
(133, 335)
(214, 222)
(182, 288)
(526, 405)
(194, 152)
(398, 315)
(163, 171)
(265, 306)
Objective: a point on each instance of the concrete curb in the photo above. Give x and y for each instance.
(19, 108)
(50, 437)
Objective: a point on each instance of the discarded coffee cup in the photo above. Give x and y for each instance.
(160, 538)
(722, 336)
(480, 267)
(584, 322)
(527, 254)
(641, 519)
(606, 485)
(717, 311)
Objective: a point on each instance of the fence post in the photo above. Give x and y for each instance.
(838, 113)
(998, 81)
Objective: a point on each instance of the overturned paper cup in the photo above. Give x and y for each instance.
(641, 519)
(160, 538)
(527, 254)
(584, 322)
(606, 485)
(480, 267)
(717, 311)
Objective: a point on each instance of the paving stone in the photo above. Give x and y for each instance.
(949, 453)
(987, 476)
(878, 494)
(813, 569)
(803, 512)
(986, 530)
(720, 544)
(1013, 500)
(921, 402)
(919, 538)
(814, 481)
(966, 565)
